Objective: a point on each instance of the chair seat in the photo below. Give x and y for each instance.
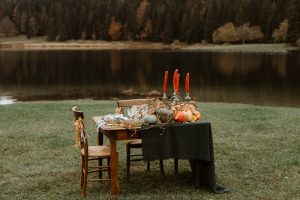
(135, 141)
(98, 151)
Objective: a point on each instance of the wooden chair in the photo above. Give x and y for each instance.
(89, 153)
(137, 143)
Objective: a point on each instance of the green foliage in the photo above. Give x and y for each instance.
(188, 21)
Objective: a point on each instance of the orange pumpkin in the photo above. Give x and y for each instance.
(179, 116)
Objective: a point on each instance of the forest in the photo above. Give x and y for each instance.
(168, 21)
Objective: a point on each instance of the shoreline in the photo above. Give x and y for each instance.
(39, 43)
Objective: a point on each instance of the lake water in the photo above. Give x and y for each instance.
(253, 78)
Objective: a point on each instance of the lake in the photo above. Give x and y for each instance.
(252, 78)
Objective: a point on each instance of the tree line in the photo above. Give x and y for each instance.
(165, 21)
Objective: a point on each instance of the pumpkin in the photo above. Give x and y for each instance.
(188, 115)
(150, 119)
(179, 116)
(164, 114)
(197, 115)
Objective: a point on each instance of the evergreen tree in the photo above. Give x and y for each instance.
(266, 16)
(184, 25)
(32, 29)
(169, 30)
(194, 30)
(161, 15)
(52, 25)
(294, 21)
(62, 32)
(212, 18)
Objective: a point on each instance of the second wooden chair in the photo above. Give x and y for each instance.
(137, 143)
(89, 153)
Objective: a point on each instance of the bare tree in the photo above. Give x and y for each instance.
(225, 34)
(256, 33)
(244, 32)
(280, 33)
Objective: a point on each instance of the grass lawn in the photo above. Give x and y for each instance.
(256, 154)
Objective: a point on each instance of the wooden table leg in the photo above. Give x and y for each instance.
(115, 186)
(100, 142)
(100, 138)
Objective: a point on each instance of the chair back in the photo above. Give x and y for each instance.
(82, 135)
(78, 119)
(123, 104)
(77, 113)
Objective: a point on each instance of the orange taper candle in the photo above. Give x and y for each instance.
(174, 80)
(165, 81)
(187, 83)
(177, 83)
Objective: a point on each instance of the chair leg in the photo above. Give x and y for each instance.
(82, 174)
(127, 162)
(148, 166)
(108, 164)
(100, 164)
(176, 165)
(85, 176)
(161, 166)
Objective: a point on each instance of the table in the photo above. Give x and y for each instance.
(114, 133)
(189, 135)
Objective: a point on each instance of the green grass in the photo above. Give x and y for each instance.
(256, 154)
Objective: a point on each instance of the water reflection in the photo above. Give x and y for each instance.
(266, 79)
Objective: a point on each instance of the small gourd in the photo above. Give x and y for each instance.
(188, 115)
(150, 119)
(164, 114)
(197, 115)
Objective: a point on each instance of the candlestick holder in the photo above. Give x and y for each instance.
(164, 97)
(187, 97)
(176, 98)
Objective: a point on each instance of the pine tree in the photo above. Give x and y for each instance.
(23, 22)
(169, 30)
(161, 18)
(294, 21)
(212, 18)
(266, 16)
(32, 29)
(52, 25)
(184, 25)
(194, 30)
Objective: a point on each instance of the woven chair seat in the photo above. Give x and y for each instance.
(98, 151)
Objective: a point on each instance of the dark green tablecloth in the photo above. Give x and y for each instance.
(189, 141)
